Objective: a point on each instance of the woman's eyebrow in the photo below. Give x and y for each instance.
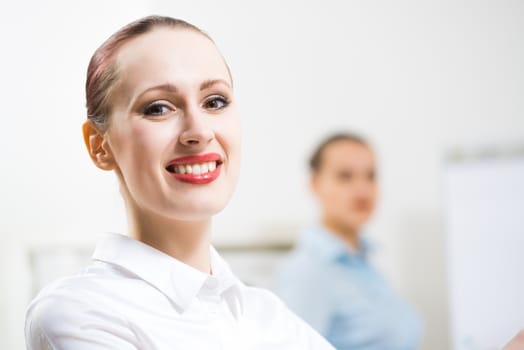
(166, 87)
(210, 82)
(206, 84)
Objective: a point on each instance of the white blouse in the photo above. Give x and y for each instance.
(135, 297)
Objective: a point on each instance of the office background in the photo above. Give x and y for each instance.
(424, 80)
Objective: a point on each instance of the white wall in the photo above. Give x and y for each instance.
(417, 77)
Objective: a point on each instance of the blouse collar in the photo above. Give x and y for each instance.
(178, 281)
(331, 247)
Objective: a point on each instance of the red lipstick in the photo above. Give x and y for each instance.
(196, 169)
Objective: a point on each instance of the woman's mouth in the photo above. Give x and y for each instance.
(197, 169)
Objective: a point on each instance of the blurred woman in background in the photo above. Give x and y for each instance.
(328, 279)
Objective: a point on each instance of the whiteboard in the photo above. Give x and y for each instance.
(484, 217)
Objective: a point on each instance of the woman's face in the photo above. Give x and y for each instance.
(174, 130)
(345, 184)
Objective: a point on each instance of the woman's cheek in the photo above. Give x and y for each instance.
(149, 137)
(227, 133)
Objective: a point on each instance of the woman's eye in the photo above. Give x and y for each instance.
(216, 102)
(157, 109)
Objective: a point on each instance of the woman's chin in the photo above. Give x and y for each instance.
(194, 211)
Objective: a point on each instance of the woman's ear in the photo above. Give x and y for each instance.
(313, 182)
(97, 146)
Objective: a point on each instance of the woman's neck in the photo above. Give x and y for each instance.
(186, 241)
(349, 235)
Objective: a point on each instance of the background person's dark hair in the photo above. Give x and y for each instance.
(315, 161)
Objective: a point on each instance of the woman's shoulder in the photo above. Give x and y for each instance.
(271, 310)
(64, 296)
(96, 282)
(67, 305)
(92, 279)
(264, 302)
(262, 296)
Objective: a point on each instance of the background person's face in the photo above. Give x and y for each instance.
(345, 184)
(150, 126)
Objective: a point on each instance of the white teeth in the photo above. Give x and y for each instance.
(197, 169)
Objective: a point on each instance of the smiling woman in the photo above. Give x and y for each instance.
(162, 116)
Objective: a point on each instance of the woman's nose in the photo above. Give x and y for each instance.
(196, 131)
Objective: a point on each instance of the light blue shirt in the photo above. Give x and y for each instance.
(342, 296)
